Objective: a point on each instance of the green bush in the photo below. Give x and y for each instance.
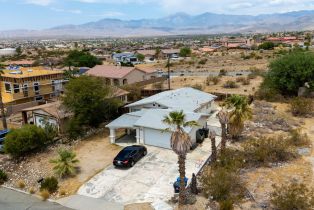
(267, 150)
(292, 196)
(202, 61)
(301, 106)
(222, 72)
(50, 184)
(3, 177)
(74, 129)
(226, 205)
(266, 46)
(21, 141)
(268, 94)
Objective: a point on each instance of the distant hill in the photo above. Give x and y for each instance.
(177, 24)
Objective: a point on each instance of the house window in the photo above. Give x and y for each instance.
(7, 87)
(116, 82)
(53, 85)
(36, 87)
(16, 88)
(25, 90)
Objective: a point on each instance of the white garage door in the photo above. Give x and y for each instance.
(157, 138)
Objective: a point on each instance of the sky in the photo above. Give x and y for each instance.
(43, 14)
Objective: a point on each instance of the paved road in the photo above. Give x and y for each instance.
(12, 200)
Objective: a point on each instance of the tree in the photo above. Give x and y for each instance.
(241, 111)
(140, 57)
(65, 163)
(290, 72)
(90, 100)
(185, 52)
(3, 117)
(223, 117)
(21, 141)
(180, 143)
(81, 58)
(157, 52)
(266, 46)
(212, 136)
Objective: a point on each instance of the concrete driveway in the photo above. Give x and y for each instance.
(151, 178)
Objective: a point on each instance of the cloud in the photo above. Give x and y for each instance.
(74, 11)
(39, 2)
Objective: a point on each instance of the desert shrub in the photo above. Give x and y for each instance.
(246, 81)
(297, 138)
(50, 184)
(74, 129)
(230, 159)
(32, 190)
(23, 140)
(292, 196)
(202, 61)
(44, 194)
(269, 94)
(197, 86)
(301, 106)
(222, 72)
(212, 79)
(222, 184)
(20, 184)
(266, 46)
(62, 192)
(3, 177)
(240, 79)
(230, 84)
(267, 150)
(226, 204)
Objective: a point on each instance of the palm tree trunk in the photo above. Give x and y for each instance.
(182, 195)
(214, 149)
(223, 137)
(4, 120)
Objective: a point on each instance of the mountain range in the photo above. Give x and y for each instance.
(177, 24)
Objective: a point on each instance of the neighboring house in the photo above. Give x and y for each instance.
(125, 57)
(150, 55)
(53, 113)
(20, 85)
(120, 94)
(144, 121)
(170, 53)
(23, 63)
(119, 75)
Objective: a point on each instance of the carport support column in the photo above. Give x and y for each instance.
(112, 136)
(137, 135)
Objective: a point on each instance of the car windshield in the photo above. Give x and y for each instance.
(124, 153)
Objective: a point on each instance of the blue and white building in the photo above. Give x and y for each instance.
(146, 116)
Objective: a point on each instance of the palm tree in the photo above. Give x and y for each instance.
(65, 164)
(180, 144)
(212, 136)
(223, 117)
(240, 113)
(4, 119)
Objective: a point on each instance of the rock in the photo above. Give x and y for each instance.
(304, 151)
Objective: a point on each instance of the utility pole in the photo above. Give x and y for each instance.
(4, 120)
(168, 64)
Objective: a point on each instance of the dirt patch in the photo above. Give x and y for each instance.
(94, 153)
(138, 206)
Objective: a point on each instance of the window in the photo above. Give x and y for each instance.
(53, 85)
(25, 90)
(36, 87)
(7, 87)
(16, 88)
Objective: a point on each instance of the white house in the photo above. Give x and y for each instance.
(146, 115)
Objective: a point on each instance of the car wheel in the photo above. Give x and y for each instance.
(144, 153)
(132, 163)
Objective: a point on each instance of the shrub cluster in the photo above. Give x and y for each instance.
(230, 84)
(3, 177)
(212, 79)
(292, 196)
(50, 184)
(301, 106)
(24, 140)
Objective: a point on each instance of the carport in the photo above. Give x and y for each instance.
(127, 122)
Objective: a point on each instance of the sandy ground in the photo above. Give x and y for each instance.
(94, 153)
(179, 82)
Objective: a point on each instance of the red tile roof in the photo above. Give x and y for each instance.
(109, 71)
